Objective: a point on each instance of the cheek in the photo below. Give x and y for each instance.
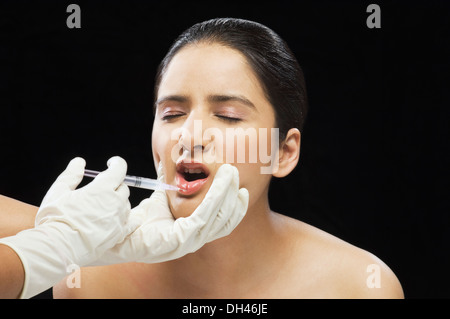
(162, 145)
(156, 145)
(254, 149)
(250, 156)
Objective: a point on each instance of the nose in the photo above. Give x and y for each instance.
(191, 139)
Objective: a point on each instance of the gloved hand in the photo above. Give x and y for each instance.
(160, 237)
(74, 226)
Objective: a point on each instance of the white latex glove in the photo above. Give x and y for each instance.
(73, 226)
(161, 237)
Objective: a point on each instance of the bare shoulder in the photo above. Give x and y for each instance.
(83, 283)
(119, 281)
(96, 283)
(332, 268)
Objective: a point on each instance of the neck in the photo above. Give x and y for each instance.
(233, 262)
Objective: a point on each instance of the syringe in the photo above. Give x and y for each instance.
(137, 181)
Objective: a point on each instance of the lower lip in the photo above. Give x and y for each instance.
(189, 188)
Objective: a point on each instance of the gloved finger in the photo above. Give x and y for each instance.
(73, 174)
(227, 209)
(66, 182)
(114, 175)
(130, 222)
(206, 213)
(69, 179)
(159, 196)
(236, 217)
(133, 222)
(154, 208)
(159, 199)
(232, 211)
(123, 191)
(138, 215)
(160, 172)
(208, 209)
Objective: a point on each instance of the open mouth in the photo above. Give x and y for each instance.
(191, 177)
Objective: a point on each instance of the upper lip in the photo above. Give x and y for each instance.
(190, 165)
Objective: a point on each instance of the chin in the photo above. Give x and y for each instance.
(184, 206)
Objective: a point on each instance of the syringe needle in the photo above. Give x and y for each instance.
(137, 181)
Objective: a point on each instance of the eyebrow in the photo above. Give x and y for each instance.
(213, 98)
(175, 98)
(227, 98)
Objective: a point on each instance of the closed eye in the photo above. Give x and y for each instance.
(229, 119)
(171, 116)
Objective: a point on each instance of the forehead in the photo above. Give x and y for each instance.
(210, 69)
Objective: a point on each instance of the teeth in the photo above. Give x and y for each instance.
(193, 170)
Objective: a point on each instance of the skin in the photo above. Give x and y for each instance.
(12, 273)
(268, 255)
(231, 77)
(15, 216)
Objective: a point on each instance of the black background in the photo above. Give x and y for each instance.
(374, 156)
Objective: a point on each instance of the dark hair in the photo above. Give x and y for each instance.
(269, 56)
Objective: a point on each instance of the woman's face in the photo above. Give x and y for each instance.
(210, 110)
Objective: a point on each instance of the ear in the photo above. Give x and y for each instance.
(289, 153)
